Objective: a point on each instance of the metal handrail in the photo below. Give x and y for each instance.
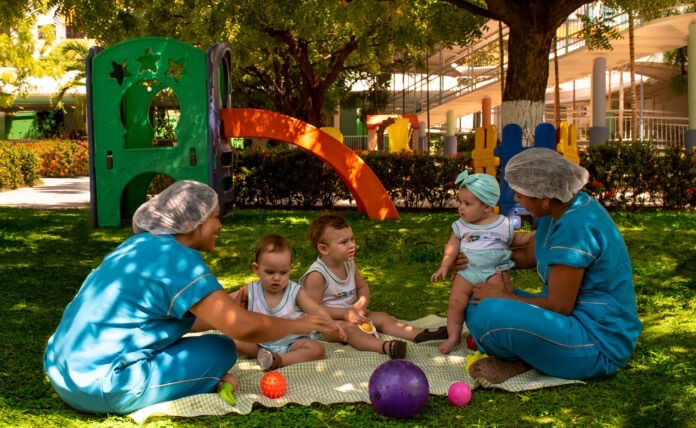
(569, 39)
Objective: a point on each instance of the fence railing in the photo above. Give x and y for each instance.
(661, 128)
(479, 71)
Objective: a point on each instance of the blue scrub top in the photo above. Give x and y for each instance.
(132, 306)
(586, 237)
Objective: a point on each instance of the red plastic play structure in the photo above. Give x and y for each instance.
(368, 192)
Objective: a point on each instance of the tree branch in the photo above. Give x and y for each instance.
(472, 8)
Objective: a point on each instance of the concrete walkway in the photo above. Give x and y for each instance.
(51, 193)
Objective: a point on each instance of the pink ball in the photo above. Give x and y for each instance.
(459, 394)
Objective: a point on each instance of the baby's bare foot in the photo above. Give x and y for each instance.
(448, 345)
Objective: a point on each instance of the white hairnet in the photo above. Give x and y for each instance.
(180, 208)
(545, 173)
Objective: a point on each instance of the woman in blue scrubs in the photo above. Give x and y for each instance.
(120, 345)
(583, 323)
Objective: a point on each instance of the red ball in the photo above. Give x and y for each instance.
(470, 343)
(273, 384)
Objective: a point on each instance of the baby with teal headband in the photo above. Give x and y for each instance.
(484, 237)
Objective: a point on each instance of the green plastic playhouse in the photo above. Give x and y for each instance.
(130, 87)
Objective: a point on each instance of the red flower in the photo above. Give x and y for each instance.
(597, 184)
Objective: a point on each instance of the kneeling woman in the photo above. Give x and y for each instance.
(584, 323)
(120, 346)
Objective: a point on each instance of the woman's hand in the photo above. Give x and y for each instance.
(460, 263)
(321, 323)
(498, 285)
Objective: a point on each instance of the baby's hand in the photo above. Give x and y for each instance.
(360, 306)
(354, 317)
(440, 274)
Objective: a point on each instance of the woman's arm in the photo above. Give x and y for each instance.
(310, 307)
(524, 256)
(564, 285)
(219, 311)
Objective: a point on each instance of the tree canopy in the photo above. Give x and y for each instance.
(296, 57)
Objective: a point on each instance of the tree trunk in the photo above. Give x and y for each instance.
(526, 80)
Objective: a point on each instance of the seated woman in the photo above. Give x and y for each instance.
(584, 323)
(120, 347)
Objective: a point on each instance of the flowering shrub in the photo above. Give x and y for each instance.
(62, 158)
(17, 166)
(635, 175)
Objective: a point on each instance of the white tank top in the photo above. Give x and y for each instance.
(287, 308)
(338, 293)
(494, 236)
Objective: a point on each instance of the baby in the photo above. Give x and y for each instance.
(484, 237)
(335, 282)
(274, 294)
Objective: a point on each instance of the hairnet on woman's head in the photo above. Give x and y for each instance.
(544, 173)
(180, 208)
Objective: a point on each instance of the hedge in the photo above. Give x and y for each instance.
(624, 176)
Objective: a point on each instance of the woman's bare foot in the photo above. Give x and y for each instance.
(449, 344)
(495, 370)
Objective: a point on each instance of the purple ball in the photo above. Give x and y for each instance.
(398, 389)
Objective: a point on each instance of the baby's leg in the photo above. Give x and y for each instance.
(362, 341)
(387, 324)
(247, 349)
(458, 299)
(303, 350)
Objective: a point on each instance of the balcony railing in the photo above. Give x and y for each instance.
(479, 72)
(665, 130)
(662, 129)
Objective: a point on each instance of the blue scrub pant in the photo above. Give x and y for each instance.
(192, 365)
(557, 345)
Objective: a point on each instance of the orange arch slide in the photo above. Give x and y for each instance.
(369, 193)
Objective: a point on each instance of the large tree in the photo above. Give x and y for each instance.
(532, 25)
(294, 56)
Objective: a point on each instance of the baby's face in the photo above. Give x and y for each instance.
(339, 243)
(274, 270)
(470, 209)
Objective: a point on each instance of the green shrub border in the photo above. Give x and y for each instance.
(623, 176)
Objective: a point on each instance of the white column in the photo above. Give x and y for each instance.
(599, 133)
(690, 137)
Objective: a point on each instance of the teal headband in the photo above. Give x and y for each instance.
(483, 186)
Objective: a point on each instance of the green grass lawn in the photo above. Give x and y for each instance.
(45, 255)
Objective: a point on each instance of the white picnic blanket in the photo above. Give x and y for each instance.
(342, 377)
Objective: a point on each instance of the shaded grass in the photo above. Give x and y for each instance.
(45, 255)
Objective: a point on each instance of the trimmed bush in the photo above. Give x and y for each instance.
(18, 164)
(636, 175)
(62, 158)
(292, 177)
